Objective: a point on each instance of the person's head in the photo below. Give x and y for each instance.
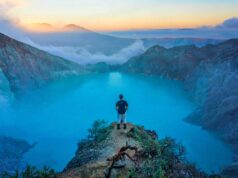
(121, 97)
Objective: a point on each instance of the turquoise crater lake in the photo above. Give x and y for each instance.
(57, 117)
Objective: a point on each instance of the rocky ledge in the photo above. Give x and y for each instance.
(132, 152)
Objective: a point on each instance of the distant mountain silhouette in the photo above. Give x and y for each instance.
(76, 28)
(44, 27)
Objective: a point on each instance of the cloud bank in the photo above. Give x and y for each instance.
(83, 56)
(231, 23)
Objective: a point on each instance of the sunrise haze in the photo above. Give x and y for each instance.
(111, 15)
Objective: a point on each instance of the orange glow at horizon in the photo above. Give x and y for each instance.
(123, 25)
(111, 15)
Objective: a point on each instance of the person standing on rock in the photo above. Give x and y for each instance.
(121, 107)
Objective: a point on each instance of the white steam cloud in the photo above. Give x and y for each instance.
(83, 56)
(231, 23)
(8, 25)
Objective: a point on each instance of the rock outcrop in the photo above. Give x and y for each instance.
(26, 67)
(133, 152)
(6, 94)
(11, 154)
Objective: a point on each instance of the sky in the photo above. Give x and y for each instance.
(103, 15)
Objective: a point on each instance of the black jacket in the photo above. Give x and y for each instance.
(121, 106)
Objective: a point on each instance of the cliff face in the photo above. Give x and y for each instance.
(5, 91)
(27, 67)
(11, 154)
(180, 62)
(133, 152)
(209, 73)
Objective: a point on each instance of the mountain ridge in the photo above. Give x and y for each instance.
(209, 74)
(26, 67)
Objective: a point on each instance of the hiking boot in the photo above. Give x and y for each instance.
(124, 126)
(118, 126)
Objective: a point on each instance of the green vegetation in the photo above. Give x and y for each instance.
(147, 142)
(32, 172)
(99, 131)
(97, 134)
(163, 158)
(90, 148)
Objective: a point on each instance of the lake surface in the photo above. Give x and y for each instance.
(58, 116)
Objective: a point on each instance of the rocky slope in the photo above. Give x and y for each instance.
(27, 67)
(210, 74)
(133, 152)
(5, 91)
(11, 154)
